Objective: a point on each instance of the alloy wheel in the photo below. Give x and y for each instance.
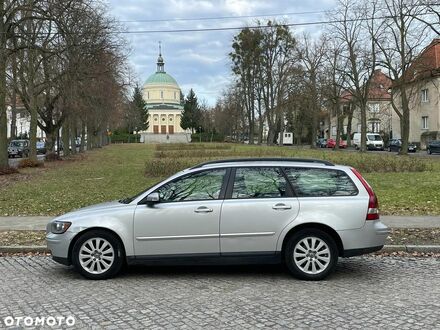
(311, 255)
(96, 255)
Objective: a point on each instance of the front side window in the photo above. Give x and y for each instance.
(204, 185)
(316, 182)
(259, 183)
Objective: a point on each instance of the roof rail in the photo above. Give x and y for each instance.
(273, 159)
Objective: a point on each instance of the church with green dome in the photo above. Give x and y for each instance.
(162, 96)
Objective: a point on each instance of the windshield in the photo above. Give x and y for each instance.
(128, 200)
(16, 144)
(374, 137)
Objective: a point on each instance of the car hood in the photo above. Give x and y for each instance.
(91, 209)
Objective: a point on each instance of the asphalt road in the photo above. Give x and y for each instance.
(364, 293)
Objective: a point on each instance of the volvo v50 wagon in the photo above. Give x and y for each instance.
(301, 212)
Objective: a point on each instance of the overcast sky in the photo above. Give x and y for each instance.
(199, 60)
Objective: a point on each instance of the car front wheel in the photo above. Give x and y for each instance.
(311, 254)
(98, 255)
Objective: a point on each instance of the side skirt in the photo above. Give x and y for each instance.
(241, 258)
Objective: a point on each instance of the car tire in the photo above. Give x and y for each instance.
(429, 152)
(103, 255)
(311, 254)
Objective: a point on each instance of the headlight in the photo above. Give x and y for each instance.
(59, 227)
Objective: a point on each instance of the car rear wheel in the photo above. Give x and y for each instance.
(98, 255)
(311, 254)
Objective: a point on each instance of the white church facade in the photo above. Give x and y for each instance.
(161, 93)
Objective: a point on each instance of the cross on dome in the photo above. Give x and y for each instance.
(160, 62)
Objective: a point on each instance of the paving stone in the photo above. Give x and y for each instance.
(364, 293)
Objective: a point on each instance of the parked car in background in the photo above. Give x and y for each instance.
(396, 145)
(41, 147)
(331, 143)
(18, 148)
(321, 143)
(433, 147)
(373, 140)
(304, 213)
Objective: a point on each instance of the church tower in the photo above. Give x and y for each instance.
(162, 96)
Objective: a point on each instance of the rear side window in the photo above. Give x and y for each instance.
(316, 182)
(256, 182)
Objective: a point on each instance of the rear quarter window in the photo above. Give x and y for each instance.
(316, 182)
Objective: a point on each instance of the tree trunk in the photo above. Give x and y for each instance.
(363, 146)
(349, 121)
(404, 121)
(72, 129)
(83, 136)
(65, 137)
(3, 119)
(14, 100)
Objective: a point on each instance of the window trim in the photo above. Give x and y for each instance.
(221, 196)
(424, 95)
(425, 120)
(324, 169)
(228, 195)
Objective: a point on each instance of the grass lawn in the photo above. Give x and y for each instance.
(404, 185)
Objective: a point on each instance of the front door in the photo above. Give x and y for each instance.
(186, 220)
(258, 205)
(163, 129)
(171, 129)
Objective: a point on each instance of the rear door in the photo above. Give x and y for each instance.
(259, 204)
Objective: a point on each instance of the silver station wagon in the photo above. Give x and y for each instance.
(304, 213)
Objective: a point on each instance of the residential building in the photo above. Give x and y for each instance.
(379, 113)
(424, 97)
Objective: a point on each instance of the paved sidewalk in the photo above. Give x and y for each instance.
(40, 222)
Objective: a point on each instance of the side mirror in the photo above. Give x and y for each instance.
(152, 198)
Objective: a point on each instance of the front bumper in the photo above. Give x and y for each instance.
(59, 244)
(371, 237)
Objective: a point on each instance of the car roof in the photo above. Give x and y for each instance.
(263, 162)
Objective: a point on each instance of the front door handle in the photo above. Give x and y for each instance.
(203, 209)
(281, 206)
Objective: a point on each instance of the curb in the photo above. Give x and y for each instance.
(24, 249)
(386, 248)
(411, 248)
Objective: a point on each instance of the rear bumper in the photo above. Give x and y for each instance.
(371, 237)
(358, 252)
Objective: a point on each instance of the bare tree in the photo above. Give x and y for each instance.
(399, 38)
(360, 53)
(311, 53)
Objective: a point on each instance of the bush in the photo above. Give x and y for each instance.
(165, 167)
(30, 163)
(192, 146)
(52, 157)
(207, 137)
(125, 138)
(8, 170)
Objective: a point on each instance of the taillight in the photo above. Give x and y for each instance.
(373, 203)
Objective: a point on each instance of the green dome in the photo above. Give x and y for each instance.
(161, 78)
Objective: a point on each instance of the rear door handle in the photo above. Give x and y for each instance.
(203, 209)
(281, 206)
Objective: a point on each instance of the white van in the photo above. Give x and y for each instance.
(287, 138)
(374, 141)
